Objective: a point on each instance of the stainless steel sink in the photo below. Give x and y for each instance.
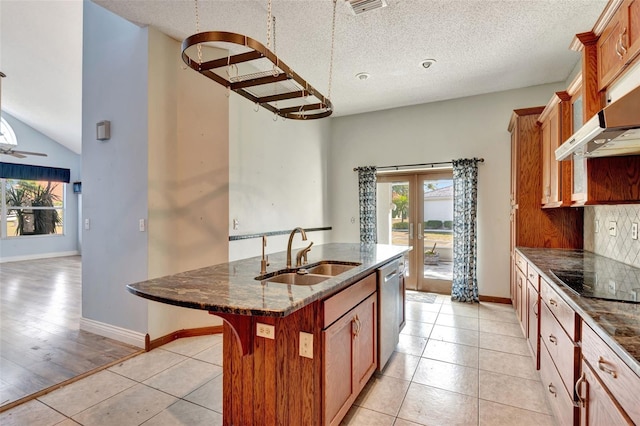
(298, 279)
(331, 269)
(311, 275)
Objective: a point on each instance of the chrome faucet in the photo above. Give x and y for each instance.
(304, 238)
(265, 259)
(303, 253)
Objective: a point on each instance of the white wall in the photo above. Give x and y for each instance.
(277, 177)
(114, 187)
(188, 177)
(38, 246)
(460, 128)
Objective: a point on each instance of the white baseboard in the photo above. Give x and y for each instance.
(39, 256)
(111, 331)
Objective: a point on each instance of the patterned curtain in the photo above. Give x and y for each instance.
(465, 195)
(367, 193)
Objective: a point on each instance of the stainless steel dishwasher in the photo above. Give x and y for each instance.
(388, 311)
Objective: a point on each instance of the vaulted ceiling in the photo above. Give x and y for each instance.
(479, 46)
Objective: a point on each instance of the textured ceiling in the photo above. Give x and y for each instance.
(480, 46)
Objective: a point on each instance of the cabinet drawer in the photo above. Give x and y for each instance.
(521, 263)
(596, 405)
(560, 309)
(559, 400)
(564, 353)
(533, 277)
(341, 303)
(621, 381)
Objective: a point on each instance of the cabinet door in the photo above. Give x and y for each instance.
(365, 349)
(337, 383)
(546, 161)
(350, 358)
(596, 406)
(533, 322)
(611, 60)
(633, 28)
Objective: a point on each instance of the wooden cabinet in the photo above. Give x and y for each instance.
(533, 317)
(619, 42)
(560, 401)
(559, 352)
(597, 407)
(349, 349)
(531, 226)
(555, 124)
(618, 379)
(520, 298)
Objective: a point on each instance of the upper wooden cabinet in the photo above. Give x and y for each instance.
(619, 42)
(555, 125)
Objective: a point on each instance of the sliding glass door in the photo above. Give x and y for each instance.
(416, 210)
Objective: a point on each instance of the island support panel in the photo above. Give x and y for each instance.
(272, 384)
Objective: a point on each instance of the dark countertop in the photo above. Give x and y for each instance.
(617, 323)
(232, 287)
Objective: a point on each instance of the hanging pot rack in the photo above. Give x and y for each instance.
(262, 77)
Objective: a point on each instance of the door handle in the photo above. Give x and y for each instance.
(420, 234)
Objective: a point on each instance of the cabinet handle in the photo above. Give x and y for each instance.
(535, 308)
(581, 401)
(618, 47)
(603, 367)
(621, 41)
(354, 327)
(552, 389)
(553, 302)
(553, 339)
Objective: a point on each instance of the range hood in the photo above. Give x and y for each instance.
(615, 130)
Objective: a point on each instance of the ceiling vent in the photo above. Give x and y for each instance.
(362, 6)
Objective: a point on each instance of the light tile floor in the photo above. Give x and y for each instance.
(456, 364)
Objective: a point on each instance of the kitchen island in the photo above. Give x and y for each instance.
(317, 345)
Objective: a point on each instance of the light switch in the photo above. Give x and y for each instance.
(634, 231)
(613, 228)
(141, 225)
(87, 224)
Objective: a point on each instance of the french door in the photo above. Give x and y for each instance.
(416, 210)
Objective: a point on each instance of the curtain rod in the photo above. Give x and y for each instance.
(355, 169)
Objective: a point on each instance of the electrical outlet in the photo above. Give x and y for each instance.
(306, 345)
(265, 330)
(634, 231)
(141, 225)
(613, 228)
(612, 287)
(87, 224)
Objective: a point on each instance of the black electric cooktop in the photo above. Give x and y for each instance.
(592, 285)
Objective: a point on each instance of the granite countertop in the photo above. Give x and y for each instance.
(232, 287)
(617, 323)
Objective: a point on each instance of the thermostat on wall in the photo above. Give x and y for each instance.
(103, 130)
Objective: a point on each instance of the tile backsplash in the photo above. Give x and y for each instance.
(621, 247)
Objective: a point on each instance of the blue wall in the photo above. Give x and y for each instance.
(35, 246)
(114, 188)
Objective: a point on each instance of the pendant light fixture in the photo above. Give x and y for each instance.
(255, 72)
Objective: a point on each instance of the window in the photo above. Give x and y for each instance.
(32, 207)
(7, 136)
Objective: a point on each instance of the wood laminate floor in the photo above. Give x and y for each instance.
(41, 344)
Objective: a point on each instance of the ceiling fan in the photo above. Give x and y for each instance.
(18, 154)
(7, 136)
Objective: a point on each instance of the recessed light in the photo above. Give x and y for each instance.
(363, 75)
(427, 63)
